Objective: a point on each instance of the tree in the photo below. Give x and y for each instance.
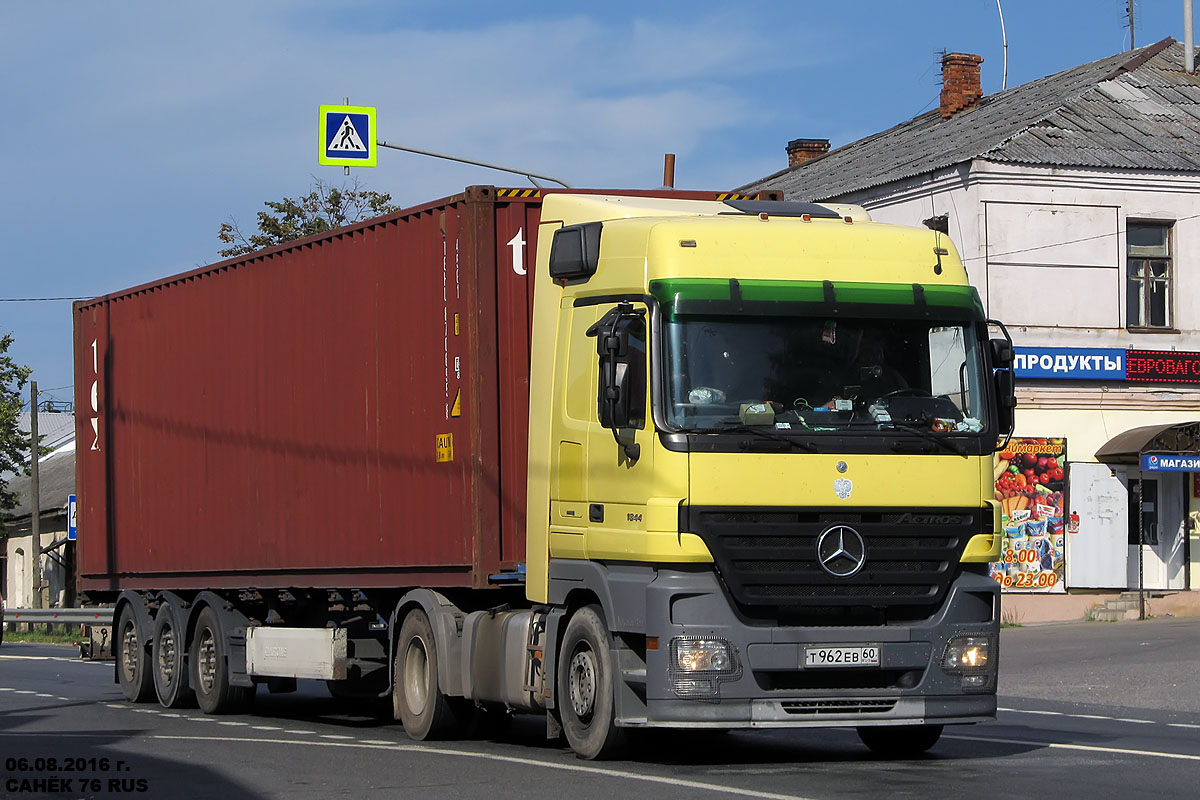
(323, 208)
(12, 442)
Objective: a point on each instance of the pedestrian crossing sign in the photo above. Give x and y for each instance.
(347, 136)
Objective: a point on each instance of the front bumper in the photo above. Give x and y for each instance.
(774, 689)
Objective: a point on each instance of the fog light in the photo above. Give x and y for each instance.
(967, 655)
(698, 666)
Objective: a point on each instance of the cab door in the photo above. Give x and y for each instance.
(621, 478)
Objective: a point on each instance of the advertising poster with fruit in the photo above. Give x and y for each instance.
(1030, 479)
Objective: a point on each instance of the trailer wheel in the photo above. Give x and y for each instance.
(209, 671)
(900, 741)
(417, 699)
(586, 687)
(133, 665)
(167, 657)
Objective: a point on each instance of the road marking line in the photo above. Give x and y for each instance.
(52, 658)
(337, 736)
(43, 694)
(302, 733)
(5, 689)
(114, 705)
(1182, 725)
(376, 741)
(1075, 716)
(265, 728)
(531, 762)
(1084, 747)
(202, 719)
(235, 724)
(25, 691)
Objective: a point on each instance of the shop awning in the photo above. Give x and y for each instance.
(1179, 438)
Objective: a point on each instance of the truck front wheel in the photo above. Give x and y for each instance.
(210, 671)
(586, 686)
(900, 741)
(417, 700)
(133, 667)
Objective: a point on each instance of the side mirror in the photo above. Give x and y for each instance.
(1002, 353)
(1006, 395)
(621, 345)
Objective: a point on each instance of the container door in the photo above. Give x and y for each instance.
(1096, 555)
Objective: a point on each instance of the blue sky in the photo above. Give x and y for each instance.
(136, 128)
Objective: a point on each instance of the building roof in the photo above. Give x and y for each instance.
(56, 480)
(1135, 110)
(55, 428)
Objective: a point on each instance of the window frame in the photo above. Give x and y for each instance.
(1142, 326)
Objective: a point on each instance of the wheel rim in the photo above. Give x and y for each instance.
(206, 668)
(581, 677)
(129, 645)
(416, 675)
(166, 654)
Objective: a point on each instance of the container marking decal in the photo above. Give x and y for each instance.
(95, 419)
(444, 444)
(842, 487)
(518, 193)
(456, 409)
(517, 243)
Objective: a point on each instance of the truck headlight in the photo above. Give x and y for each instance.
(970, 657)
(698, 666)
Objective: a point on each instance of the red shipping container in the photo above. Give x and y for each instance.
(274, 420)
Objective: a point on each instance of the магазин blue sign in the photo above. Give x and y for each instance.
(1152, 462)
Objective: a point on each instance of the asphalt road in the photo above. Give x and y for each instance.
(1088, 711)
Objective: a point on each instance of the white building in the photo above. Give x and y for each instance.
(56, 482)
(1074, 201)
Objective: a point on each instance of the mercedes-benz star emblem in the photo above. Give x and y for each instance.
(841, 551)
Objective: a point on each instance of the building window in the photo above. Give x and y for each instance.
(1148, 294)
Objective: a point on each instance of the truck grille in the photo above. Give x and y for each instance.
(769, 557)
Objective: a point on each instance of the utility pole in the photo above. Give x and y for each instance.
(1129, 5)
(35, 543)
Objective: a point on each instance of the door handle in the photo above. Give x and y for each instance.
(596, 512)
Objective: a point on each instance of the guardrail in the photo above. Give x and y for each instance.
(77, 616)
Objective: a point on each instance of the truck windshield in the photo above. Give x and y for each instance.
(825, 373)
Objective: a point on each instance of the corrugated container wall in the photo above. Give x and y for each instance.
(286, 419)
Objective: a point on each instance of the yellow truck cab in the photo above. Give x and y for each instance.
(760, 471)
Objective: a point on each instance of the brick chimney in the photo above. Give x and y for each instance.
(960, 83)
(802, 150)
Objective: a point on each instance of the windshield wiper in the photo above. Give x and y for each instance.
(765, 433)
(925, 433)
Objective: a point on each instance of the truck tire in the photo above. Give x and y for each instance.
(586, 688)
(417, 700)
(168, 659)
(900, 741)
(209, 671)
(133, 663)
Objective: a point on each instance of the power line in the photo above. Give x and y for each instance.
(38, 299)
